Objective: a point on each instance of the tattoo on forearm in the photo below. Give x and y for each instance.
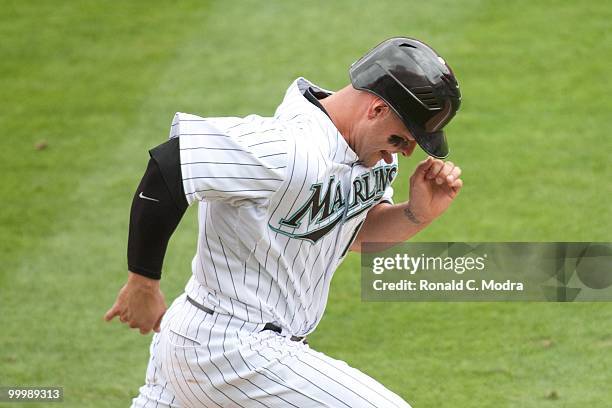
(411, 216)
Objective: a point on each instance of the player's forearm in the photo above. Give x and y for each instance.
(387, 225)
(156, 211)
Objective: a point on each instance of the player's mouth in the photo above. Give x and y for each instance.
(387, 157)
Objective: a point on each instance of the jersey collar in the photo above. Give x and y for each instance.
(296, 103)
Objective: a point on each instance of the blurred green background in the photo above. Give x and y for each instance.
(97, 83)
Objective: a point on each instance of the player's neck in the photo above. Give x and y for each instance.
(341, 107)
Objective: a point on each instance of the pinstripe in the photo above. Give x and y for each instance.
(271, 155)
(293, 263)
(172, 358)
(236, 125)
(161, 393)
(286, 282)
(337, 146)
(245, 134)
(204, 372)
(346, 151)
(210, 252)
(259, 131)
(300, 280)
(192, 373)
(228, 267)
(244, 284)
(289, 182)
(213, 148)
(306, 310)
(203, 134)
(163, 388)
(147, 403)
(203, 208)
(229, 191)
(240, 178)
(174, 354)
(155, 372)
(187, 362)
(152, 362)
(257, 288)
(230, 274)
(232, 163)
(192, 120)
(266, 142)
(212, 362)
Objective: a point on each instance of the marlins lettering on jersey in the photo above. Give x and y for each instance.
(327, 211)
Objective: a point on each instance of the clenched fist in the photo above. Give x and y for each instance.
(433, 187)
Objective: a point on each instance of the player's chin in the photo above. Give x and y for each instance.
(372, 159)
(386, 156)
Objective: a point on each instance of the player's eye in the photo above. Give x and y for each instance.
(397, 141)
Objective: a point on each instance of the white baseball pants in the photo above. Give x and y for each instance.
(214, 360)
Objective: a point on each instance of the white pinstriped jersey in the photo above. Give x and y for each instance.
(280, 201)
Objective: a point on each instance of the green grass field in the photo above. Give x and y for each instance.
(99, 82)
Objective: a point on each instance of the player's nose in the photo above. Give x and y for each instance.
(407, 149)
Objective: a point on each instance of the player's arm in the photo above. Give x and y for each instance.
(433, 187)
(157, 208)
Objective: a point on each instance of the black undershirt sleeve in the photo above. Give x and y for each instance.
(157, 208)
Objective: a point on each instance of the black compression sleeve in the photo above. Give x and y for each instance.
(168, 158)
(157, 207)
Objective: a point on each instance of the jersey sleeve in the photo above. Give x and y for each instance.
(244, 161)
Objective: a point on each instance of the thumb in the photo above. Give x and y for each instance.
(425, 165)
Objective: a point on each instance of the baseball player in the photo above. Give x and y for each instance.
(281, 201)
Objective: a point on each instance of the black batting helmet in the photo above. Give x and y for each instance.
(416, 83)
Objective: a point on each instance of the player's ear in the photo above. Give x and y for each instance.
(378, 108)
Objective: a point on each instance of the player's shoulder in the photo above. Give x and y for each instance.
(252, 130)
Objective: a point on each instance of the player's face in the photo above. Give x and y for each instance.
(387, 135)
